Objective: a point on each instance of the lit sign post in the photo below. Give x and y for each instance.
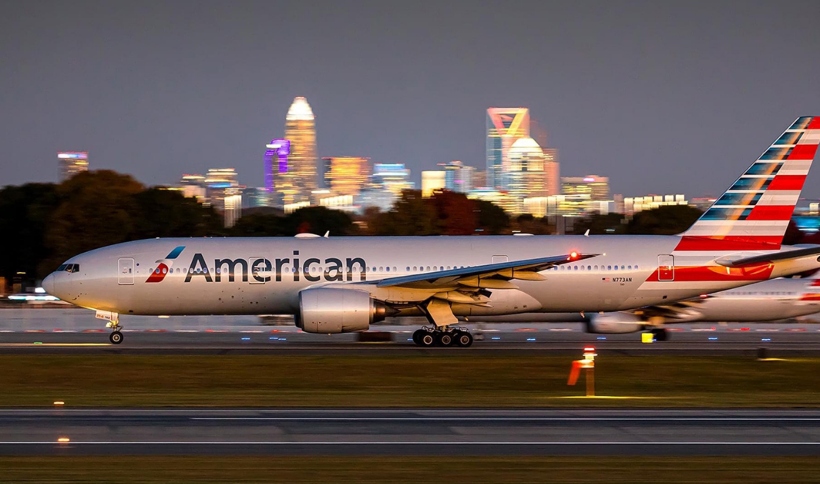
(588, 364)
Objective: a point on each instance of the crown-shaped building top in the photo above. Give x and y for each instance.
(300, 110)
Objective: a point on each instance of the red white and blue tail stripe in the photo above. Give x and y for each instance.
(754, 212)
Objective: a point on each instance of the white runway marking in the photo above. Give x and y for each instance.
(521, 419)
(389, 442)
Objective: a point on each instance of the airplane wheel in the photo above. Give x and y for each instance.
(445, 338)
(464, 339)
(427, 339)
(660, 334)
(115, 337)
(417, 334)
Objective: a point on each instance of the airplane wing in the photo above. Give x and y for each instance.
(493, 276)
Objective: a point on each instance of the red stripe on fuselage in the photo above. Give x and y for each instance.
(787, 182)
(760, 272)
(771, 212)
(729, 243)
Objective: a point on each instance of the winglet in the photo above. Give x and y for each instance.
(754, 212)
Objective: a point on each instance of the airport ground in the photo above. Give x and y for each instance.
(183, 400)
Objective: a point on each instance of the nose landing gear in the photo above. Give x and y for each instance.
(115, 337)
(114, 323)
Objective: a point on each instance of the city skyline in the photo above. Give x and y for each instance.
(657, 99)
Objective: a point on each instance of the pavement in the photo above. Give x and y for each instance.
(192, 431)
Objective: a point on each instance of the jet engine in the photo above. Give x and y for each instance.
(333, 310)
(614, 323)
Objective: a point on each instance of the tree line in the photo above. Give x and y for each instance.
(44, 224)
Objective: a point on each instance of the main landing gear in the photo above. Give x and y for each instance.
(659, 334)
(443, 336)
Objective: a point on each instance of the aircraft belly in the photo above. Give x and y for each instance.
(203, 299)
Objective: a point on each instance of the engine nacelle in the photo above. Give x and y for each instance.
(333, 310)
(614, 323)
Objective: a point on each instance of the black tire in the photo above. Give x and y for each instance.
(417, 334)
(464, 339)
(427, 339)
(660, 334)
(115, 337)
(445, 338)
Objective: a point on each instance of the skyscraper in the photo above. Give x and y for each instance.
(71, 163)
(458, 177)
(345, 175)
(295, 184)
(504, 127)
(276, 160)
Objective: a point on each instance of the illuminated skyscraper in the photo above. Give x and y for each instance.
(276, 160)
(345, 175)
(392, 177)
(504, 127)
(224, 193)
(525, 177)
(594, 186)
(71, 163)
(552, 171)
(432, 180)
(296, 183)
(458, 177)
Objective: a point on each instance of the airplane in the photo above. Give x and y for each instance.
(344, 284)
(770, 300)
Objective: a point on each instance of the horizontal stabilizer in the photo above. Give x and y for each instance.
(773, 257)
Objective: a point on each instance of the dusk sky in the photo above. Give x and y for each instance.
(662, 97)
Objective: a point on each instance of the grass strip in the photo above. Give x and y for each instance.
(390, 470)
(457, 379)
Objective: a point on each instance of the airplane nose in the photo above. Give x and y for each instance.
(48, 284)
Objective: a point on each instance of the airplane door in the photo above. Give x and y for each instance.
(125, 271)
(666, 267)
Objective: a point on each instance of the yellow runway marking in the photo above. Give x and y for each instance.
(609, 397)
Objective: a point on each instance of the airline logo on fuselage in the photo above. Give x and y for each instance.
(261, 270)
(164, 265)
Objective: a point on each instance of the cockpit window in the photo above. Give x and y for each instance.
(61, 268)
(72, 268)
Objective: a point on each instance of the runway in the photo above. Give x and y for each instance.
(410, 432)
(57, 330)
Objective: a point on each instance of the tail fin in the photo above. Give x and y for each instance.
(754, 212)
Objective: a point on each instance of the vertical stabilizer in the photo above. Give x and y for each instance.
(754, 212)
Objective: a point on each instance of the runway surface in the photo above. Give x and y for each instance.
(410, 432)
(50, 330)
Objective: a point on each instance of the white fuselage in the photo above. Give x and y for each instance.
(265, 275)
